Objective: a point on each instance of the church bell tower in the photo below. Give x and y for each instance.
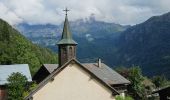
(66, 46)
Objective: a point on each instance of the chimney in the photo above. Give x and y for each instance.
(99, 63)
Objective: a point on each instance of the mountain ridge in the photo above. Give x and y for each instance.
(146, 44)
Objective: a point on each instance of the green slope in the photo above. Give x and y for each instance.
(147, 45)
(16, 49)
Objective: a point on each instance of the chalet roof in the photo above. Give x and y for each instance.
(7, 70)
(167, 88)
(104, 72)
(50, 67)
(55, 72)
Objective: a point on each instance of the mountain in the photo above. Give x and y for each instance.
(88, 33)
(16, 49)
(80, 28)
(147, 45)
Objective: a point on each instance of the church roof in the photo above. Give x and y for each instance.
(86, 68)
(66, 35)
(7, 70)
(104, 72)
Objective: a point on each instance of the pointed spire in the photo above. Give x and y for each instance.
(66, 35)
(66, 30)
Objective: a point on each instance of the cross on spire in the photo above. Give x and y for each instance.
(66, 10)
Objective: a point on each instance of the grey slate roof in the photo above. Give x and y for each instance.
(7, 70)
(50, 67)
(104, 72)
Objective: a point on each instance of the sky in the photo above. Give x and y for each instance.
(125, 12)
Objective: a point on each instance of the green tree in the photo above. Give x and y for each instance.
(160, 81)
(29, 88)
(136, 78)
(5, 36)
(16, 86)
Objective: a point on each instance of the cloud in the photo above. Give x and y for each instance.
(50, 11)
(8, 15)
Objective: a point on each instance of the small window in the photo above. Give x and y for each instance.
(71, 51)
(64, 51)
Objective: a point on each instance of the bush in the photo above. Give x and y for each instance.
(16, 86)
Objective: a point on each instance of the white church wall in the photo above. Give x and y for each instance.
(73, 83)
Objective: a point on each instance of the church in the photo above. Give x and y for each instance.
(72, 80)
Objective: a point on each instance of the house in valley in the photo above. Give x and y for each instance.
(164, 93)
(6, 71)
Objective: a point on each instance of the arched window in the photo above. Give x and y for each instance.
(64, 51)
(71, 51)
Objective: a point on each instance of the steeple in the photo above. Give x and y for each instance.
(66, 35)
(66, 46)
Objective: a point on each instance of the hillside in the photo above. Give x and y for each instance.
(147, 45)
(16, 49)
